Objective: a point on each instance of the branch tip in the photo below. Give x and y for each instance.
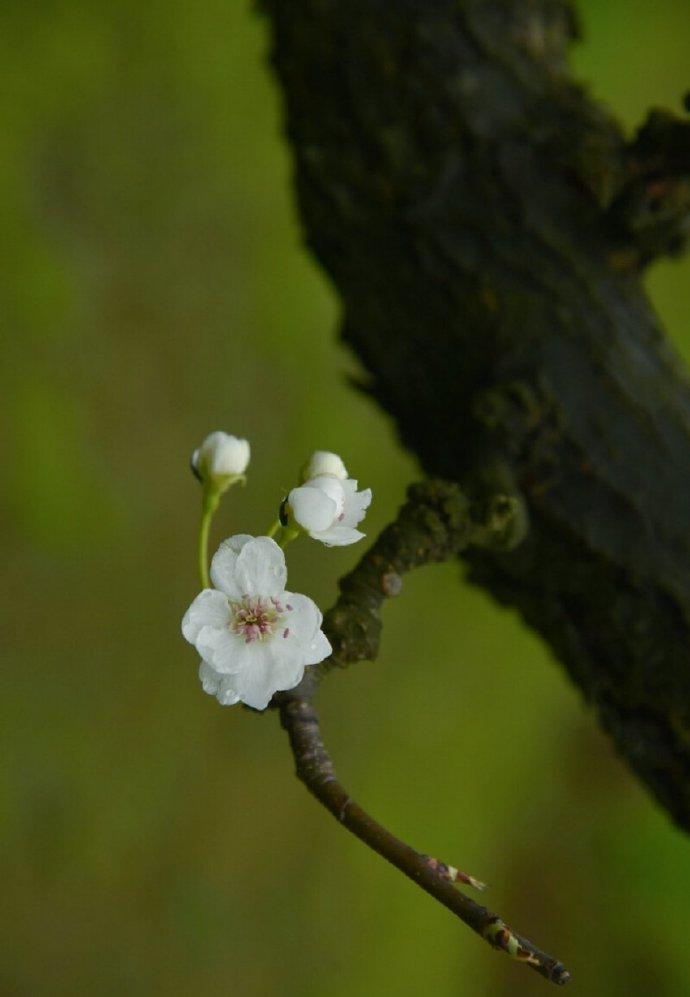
(315, 769)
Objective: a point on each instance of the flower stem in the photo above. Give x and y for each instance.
(208, 507)
(287, 535)
(274, 529)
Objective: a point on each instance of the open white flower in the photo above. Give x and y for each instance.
(220, 460)
(324, 462)
(329, 509)
(254, 638)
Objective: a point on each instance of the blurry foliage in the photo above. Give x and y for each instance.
(154, 288)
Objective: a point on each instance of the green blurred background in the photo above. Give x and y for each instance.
(154, 288)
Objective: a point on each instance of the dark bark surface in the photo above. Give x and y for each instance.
(485, 224)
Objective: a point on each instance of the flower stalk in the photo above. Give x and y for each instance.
(209, 504)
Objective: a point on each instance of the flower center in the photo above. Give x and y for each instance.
(256, 617)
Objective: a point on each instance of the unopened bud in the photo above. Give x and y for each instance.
(324, 462)
(221, 460)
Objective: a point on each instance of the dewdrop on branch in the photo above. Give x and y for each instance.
(254, 638)
(220, 461)
(328, 506)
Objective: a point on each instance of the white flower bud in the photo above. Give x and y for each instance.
(324, 462)
(317, 505)
(329, 509)
(220, 460)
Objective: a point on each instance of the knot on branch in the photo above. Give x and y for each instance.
(499, 522)
(433, 525)
(500, 936)
(436, 523)
(652, 208)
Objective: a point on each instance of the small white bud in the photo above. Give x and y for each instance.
(317, 505)
(324, 462)
(329, 509)
(220, 460)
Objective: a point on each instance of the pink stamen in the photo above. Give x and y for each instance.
(257, 617)
(251, 632)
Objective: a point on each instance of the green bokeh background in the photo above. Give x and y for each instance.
(153, 288)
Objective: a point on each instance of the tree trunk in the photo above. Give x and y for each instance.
(486, 225)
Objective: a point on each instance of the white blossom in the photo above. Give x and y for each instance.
(254, 638)
(329, 509)
(324, 462)
(221, 459)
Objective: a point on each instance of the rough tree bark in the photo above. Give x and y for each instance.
(486, 225)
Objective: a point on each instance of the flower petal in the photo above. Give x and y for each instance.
(220, 456)
(301, 641)
(272, 671)
(332, 487)
(209, 609)
(226, 695)
(319, 649)
(303, 618)
(217, 685)
(229, 455)
(223, 565)
(356, 503)
(339, 536)
(255, 686)
(312, 508)
(324, 462)
(260, 568)
(210, 679)
(227, 652)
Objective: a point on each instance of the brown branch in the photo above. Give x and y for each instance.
(435, 524)
(484, 223)
(315, 769)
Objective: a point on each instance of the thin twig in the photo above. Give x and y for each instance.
(315, 769)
